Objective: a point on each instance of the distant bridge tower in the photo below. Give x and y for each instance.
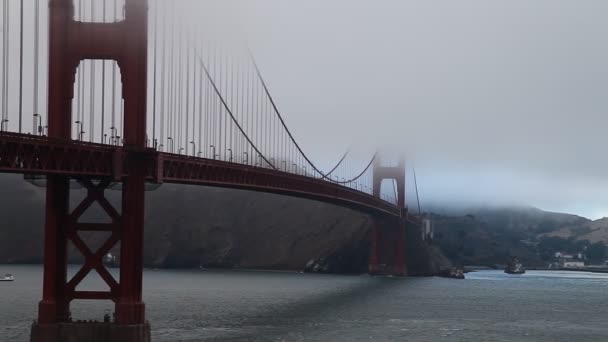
(387, 239)
(71, 42)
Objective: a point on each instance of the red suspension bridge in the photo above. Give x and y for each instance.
(124, 103)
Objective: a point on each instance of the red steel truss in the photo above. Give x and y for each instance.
(27, 154)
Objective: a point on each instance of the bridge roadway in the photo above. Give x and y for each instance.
(40, 155)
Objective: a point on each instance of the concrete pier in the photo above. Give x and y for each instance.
(90, 332)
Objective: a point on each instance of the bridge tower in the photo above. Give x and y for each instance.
(387, 240)
(70, 42)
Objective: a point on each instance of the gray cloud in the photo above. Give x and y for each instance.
(494, 101)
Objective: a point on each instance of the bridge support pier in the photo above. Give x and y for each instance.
(387, 238)
(387, 248)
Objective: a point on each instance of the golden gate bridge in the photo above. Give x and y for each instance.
(105, 92)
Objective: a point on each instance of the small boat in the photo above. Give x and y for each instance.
(515, 267)
(110, 261)
(453, 272)
(7, 277)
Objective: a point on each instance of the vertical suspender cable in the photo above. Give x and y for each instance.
(113, 127)
(171, 100)
(78, 83)
(162, 77)
(215, 107)
(20, 66)
(7, 72)
(194, 92)
(154, 75)
(180, 89)
(194, 74)
(256, 115)
(207, 109)
(83, 82)
(200, 109)
(37, 124)
(92, 90)
(4, 54)
(187, 114)
(239, 96)
(248, 103)
(103, 85)
(226, 119)
(225, 116)
(221, 108)
(231, 98)
(5, 59)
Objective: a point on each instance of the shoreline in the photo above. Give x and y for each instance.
(568, 269)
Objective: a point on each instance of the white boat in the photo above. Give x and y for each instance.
(7, 277)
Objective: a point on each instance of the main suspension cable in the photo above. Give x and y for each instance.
(276, 110)
(230, 112)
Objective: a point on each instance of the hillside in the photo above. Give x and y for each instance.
(489, 236)
(211, 227)
(593, 231)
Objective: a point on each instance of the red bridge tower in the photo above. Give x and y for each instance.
(70, 42)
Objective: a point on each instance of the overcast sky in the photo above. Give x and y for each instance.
(493, 101)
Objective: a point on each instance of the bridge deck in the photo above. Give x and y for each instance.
(29, 154)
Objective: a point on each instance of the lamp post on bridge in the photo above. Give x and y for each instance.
(180, 150)
(77, 122)
(246, 160)
(212, 147)
(230, 158)
(170, 140)
(36, 129)
(4, 125)
(193, 148)
(113, 132)
(284, 165)
(295, 167)
(79, 130)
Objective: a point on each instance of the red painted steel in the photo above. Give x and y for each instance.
(391, 238)
(45, 156)
(93, 260)
(373, 253)
(126, 42)
(191, 170)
